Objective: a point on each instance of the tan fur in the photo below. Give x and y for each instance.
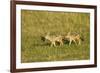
(73, 38)
(54, 39)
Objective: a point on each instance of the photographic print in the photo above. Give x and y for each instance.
(52, 36)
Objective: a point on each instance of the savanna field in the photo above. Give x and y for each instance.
(36, 23)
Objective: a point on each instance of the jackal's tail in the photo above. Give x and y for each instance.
(42, 38)
(82, 38)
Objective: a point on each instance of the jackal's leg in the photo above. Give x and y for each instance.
(61, 43)
(53, 44)
(75, 41)
(70, 42)
(79, 42)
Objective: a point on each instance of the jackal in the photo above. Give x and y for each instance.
(73, 38)
(53, 39)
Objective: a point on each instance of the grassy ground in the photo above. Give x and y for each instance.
(36, 23)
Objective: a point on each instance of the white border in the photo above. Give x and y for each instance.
(20, 65)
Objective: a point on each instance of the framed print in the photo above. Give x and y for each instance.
(52, 36)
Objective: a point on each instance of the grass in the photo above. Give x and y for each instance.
(37, 23)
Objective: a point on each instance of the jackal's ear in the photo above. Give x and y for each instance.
(42, 38)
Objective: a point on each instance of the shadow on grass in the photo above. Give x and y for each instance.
(49, 44)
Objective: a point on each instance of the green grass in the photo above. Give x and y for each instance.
(36, 23)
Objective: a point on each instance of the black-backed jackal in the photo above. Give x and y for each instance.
(73, 38)
(53, 39)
